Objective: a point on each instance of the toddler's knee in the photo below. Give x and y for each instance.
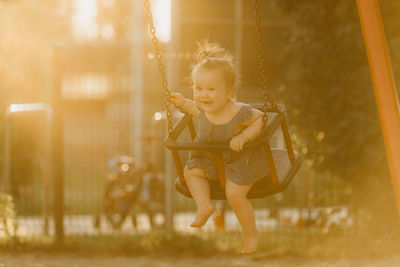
(193, 172)
(233, 196)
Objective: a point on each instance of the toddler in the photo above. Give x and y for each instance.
(221, 118)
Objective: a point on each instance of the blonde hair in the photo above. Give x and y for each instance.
(212, 55)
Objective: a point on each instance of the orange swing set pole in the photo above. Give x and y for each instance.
(384, 85)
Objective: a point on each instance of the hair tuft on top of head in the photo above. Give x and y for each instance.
(213, 51)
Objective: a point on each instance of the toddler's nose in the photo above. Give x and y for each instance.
(202, 94)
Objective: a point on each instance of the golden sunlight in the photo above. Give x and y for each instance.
(115, 150)
(84, 25)
(162, 19)
(90, 85)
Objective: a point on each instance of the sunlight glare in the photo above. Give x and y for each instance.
(87, 85)
(108, 3)
(28, 107)
(84, 23)
(162, 19)
(107, 31)
(157, 116)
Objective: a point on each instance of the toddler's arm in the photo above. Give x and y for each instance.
(186, 104)
(253, 128)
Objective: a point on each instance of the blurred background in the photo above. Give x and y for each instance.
(80, 89)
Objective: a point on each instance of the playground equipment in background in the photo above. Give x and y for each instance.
(131, 185)
(219, 216)
(280, 174)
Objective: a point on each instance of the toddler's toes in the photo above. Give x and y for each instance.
(250, 243)
(204, 212)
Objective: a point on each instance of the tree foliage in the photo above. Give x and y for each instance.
(333, 106)
(333, 109)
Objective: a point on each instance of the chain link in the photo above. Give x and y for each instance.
(161, 67)
(261, 62)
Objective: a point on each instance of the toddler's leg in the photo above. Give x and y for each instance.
(236, 195)
(199, 188)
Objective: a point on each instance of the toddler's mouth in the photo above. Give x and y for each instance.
(207, 102)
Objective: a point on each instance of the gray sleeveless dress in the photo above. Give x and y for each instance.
(244, 167)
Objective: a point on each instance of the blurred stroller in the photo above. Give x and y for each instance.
(131, 186)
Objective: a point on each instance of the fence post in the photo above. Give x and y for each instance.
(172, 76)
(136, 96)
(57, 148)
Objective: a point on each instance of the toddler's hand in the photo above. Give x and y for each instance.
(177, 99)
(238, 142)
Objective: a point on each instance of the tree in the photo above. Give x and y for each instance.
(333, 108)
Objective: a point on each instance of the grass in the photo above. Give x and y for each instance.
(289, 242)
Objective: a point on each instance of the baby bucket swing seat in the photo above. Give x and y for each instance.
(283, 163)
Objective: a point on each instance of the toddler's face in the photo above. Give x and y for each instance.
(210, 90)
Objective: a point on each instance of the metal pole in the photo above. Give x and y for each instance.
(172, 70)
(238, 34)
(136, 96)
(58, 150)
(384, 85)
(7, 154)
(169, 201)
(47, 170)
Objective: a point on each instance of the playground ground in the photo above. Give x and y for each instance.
(64, 260)
(101, 257)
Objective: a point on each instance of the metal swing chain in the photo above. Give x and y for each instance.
(158, 55)
(261, 62)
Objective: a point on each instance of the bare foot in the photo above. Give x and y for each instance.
(204, 211)
(250, 243)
